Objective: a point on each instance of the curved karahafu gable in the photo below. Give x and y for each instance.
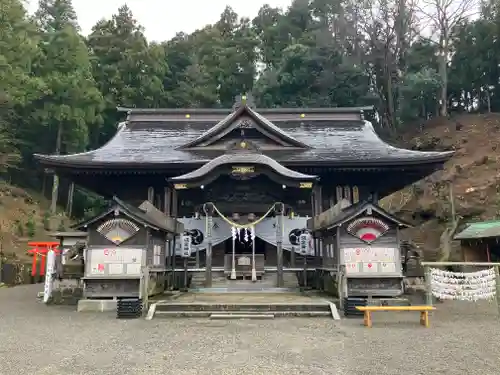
(209, 170)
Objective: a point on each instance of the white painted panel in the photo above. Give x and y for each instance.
(112, 260)
(116, 255)
(97, 268)
(388, 267)
(374, 256)
(133, 269)
(370, 267)
(115, 269)
(352, 268)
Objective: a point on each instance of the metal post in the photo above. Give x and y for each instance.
(428, 287)
(279, 209)
(497, 282)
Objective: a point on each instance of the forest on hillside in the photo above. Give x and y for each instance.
(411, 59)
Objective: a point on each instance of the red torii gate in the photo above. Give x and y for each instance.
(41, 249)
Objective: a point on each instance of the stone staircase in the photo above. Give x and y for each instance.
(243, 306)
(268, 281)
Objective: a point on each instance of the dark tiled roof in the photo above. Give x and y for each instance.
(335, 143)
(244, 158)
(357, 209)
(134, 212)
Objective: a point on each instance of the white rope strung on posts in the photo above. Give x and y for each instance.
(245, 226)
(463, 286)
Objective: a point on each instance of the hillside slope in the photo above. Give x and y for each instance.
(473, 172)
(24, 216)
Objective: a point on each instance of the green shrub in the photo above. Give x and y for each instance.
(31, 227)
(46, 220)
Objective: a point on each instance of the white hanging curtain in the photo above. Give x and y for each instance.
(221, 231)
(266, 230)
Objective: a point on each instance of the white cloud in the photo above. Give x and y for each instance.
(162, 19)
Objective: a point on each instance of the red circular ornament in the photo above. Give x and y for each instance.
(369, 265)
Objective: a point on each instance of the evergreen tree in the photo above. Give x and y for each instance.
(72, 101)
(130, 72)
(19, 86)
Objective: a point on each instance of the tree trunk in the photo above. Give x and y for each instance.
(55, 184)
(444, 84)
(488, 99)
(390, 101)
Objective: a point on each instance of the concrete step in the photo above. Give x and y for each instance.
(236, 307)
(241, 314)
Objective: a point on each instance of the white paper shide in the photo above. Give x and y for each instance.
(463, 286)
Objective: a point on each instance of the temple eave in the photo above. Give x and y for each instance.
(69, 162)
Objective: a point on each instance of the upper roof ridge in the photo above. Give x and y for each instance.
(229, 123)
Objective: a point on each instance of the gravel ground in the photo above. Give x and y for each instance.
(463, 339)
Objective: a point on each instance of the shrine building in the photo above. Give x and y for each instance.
(246, 183)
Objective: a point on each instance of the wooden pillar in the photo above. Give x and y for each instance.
(279, 210)
(319, 199)
(317, 241)
(69, 203)
(151, 194)
(497, 285)
(167, 201)
(317, 203)
(209, 210)
(175, 203)
(174, 215)
(170, 251)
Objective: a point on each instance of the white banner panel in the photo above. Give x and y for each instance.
(372, 260)
(112, 260)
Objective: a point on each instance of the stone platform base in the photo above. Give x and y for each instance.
(243, 306)
(96, 305)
